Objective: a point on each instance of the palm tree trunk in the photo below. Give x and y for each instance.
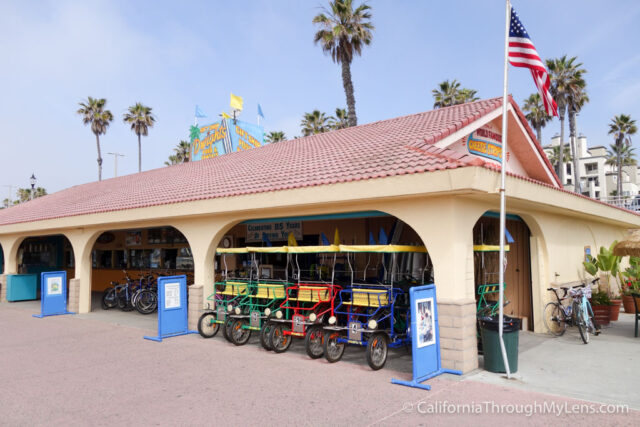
(99, 158)
(563, 169)
(619, 155)
(574, 148)
(348, 90)
(139, 154)
(539, 133)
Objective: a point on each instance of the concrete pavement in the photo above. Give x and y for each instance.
(84, 371)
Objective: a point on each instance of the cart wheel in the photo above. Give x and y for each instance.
(333, 350)
(226, 330)
(206, 325)
(240, 335)
(109, 299)
(314, 341)
(279, 340)
(377, 349)
(265, 336)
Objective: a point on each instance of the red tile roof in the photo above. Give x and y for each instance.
(398, 146)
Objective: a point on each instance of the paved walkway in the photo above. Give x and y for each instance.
(81, 371)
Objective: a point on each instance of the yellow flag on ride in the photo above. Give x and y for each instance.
(291, 241)
(225, 115)
(336, 237)
(236, 102)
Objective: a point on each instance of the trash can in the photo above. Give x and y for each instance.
(22, 287)
(491, 342)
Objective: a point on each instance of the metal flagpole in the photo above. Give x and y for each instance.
(503, 167)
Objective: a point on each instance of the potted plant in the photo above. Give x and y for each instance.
(601, 305)
(609, 264)
(631, 284)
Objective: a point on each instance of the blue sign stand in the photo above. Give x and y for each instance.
(53, 294)
(425, 338)
(172, 308)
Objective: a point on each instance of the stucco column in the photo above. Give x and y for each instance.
(80, 286)
(446, 228)
(10, 246)
(203, 236)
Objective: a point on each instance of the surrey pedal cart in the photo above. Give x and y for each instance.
(374, 314)
(253, 311)
(226, 295)
(308, 305)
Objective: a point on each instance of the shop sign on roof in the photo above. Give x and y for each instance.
(485, 142)
(225, 136)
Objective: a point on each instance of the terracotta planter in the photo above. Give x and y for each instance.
(627, 303)
(602, 314)
(615, 309)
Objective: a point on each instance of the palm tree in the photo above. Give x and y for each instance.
(314, 123)
(343, 32)
(555, 159)
(194, 133)
(466, 95)
(93, 112)
(621, 127)
(275, 136)
(536, 113)
(40, 191)
(562, 72)
(141, 119)
(341, 120)
(182, 150)
(576, 100)
(173, 160)
(625, 153)
(446, 94)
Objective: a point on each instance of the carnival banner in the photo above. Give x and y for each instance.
(225, 136)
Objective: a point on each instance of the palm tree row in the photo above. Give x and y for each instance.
(182, 151)
(24, 195)
(450, 93)
(318, 122)
(94, 113)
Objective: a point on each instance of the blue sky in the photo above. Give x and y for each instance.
(173, 55)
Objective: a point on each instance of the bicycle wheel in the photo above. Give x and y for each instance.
(377, 349)
(207, 328)
(314, 341)
(279, 340)
(265, 333)
(124, 302)
(592, 319)
(554, 319)
(226, 330)
(333, 350)
(109, 299)
(239, 334)
(147, 302)
(579, 318)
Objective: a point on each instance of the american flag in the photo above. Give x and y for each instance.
(522, 53)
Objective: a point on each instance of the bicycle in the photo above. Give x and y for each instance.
(579, 313)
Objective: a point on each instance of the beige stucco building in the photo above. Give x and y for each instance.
(437, 172)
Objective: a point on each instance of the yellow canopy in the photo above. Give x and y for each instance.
(382, 248)
(232, 250)
(489, 248)
(313, 249)
(268, 249)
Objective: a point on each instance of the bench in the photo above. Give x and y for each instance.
(235, 288)
(312, 294)
(368, 298)
(269, 291)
